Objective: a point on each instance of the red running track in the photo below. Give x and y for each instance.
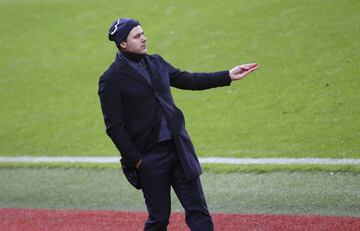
(81, 220)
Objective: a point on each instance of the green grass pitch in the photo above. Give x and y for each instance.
(304, 101)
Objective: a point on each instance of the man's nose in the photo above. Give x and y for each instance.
(144, 38)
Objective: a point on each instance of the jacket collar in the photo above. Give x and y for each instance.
(124, 66)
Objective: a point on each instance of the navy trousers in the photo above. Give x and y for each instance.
(160, 170)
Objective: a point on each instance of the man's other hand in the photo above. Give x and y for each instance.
(137, 166)
(241, 71)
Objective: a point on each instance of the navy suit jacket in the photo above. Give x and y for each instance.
(132, 107)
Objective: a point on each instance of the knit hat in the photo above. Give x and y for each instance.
(120, 29)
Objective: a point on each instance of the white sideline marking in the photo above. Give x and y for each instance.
(279, 161)
(218, 160)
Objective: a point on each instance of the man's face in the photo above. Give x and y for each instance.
(135, 41)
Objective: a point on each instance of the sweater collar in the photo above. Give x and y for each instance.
(132, 56)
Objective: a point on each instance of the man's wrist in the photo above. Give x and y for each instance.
(230, 76)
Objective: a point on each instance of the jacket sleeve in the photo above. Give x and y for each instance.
(111, 105)
(196, 81)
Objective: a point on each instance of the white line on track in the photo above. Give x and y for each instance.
(218, 160)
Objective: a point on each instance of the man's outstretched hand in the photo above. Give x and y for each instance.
(241, 71)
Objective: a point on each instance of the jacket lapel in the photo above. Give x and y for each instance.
(131, 72)
(152, 70)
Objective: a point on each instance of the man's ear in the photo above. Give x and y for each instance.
(123, 44)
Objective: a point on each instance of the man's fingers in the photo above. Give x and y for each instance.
(252, 65)
(241, 71)
(243, 74)
(246, 72)
(245, 67)
(255, 67)
(248, 66)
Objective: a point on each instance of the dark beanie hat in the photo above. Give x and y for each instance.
(120, 29)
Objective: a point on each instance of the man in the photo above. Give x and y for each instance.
(148, 129)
